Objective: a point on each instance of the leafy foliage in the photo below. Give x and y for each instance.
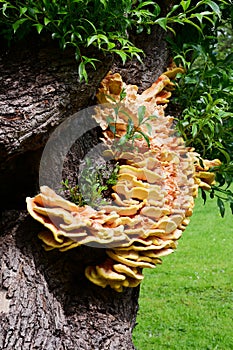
(81, 23)
(193, 13)
(223, 192)
(205, 97)
(102, 24)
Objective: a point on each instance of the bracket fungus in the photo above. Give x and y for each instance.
(151, 201)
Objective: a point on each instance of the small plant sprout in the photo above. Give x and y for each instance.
(73, 193)
(133, 131)
(95, 184)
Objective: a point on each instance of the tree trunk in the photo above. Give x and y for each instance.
(47, 303)
(45, 300)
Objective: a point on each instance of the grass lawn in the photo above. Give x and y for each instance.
(187, 302)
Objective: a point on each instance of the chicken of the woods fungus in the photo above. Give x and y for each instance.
(152, 200)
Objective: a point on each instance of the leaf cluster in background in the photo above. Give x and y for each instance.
(103, 24)
(81, 23)
(204, 94)
(192, 13)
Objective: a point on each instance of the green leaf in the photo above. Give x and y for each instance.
(174, 8)
(185, 4)
(39, 27)
(199, 16)
(193, 24)
(145, 3)
(4, 8)
(224, 152)
(104, 3)
(203, 195)
(134, 53)
(156, 10)
(109, 119)
(221, 206)
(141, 114)
(145, 137)
(113, 100)
(90, 60)
(123, 140)
(212, 194)
(231, 206)
(22, 10)
(111, 46)
(57, 36)
(46, 21)
(100, 39)
(122, 94)
(130, 126)
(92, 39)
(33, 11)
(18, 23)
(103, 38)
(162, 22)
(194, 130)
(122, 55)
(137, 136)
(228, 59)
(90, 23)
(112, 128)
(214, 7)
(149, 128)
(82, 72)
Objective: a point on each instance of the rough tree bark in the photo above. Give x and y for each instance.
(45, 300)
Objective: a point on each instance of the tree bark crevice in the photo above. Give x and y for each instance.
(40, 88)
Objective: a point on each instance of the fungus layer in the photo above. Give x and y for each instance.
(151, 201)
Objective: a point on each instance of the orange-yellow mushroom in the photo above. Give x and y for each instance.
(151, 201)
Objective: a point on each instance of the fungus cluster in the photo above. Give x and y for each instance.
(151, 201)
(203, 177)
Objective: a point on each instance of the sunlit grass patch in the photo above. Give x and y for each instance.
(187, 302)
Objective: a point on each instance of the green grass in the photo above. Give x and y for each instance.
(187, 302)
